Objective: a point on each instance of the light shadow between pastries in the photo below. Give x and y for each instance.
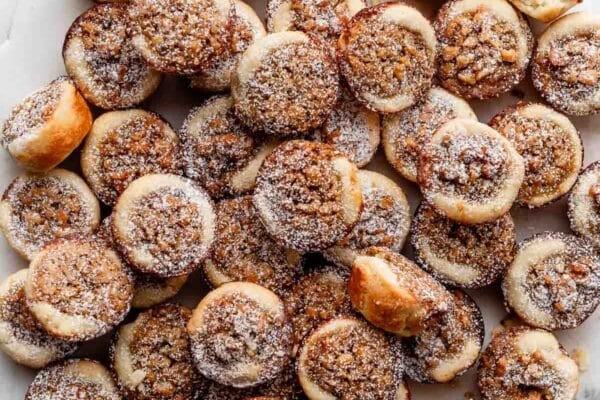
(484, 47)
(546, 11)
(332, 201)
(47, 126)
(247, 28)
(164, 225)
(78, 288)
(387, 56)
(37, 208)
(470, 172)
(273, 68)
(525, 363)
(566, 63)
(75, 378)
(243, 360)
(347, 358)
(100, 58)
(394, 294)
(125, 145)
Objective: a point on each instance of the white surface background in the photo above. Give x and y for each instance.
(31, 37)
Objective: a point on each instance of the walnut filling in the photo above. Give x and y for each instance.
(292, 91)
(284, 387)
(83, 281)
(385, 59)
(244, 251)
(323, 18)
(183, 35)
(472, 167)
(489, 248)
(168, 225)
(238, 331)
(316, 298)
(32, 113)
(215, 149)
(354, 363)
(46, 208)
(160, 349)
(547, 148)
(479, 50)
(140, 146)
(117, 69)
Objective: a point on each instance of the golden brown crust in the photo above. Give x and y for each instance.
(545, 11)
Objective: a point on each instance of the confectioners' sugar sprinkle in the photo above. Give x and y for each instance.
(326, 19)
(584, 204)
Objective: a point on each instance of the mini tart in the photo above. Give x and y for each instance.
(467, 256)
(151, 358)
(38, 208)
(102, 61)
(387, 54)
(78, 288)
(584, 204)
(124, 145)
(244, 251)
(285, 84)
(524, 363)
(22, 338)
(348, 359)
(393, 293)
(148, 290)
(405, 133)
(554, 281)
(164, 225)
(384, 221)
(544, 10)
(566, 64)
(284, 387)
(220, 153)
(317, 297)
(352, 129)
(449, 345)
(307, 195)
(247, 28)
(324, 19)
(470, 172)
(240, 335)
(181, 37)
(47, 126)
(73, 379)
(551, 147)
(484, 47)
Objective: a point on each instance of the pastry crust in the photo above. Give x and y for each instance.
(38, 208)
(283, 387)
(164, 225)
(550, 146)
(485, 47)
(78, 288)
(75, 378)
(406, 132)
(566, 63)
(278, 64)
(393, 293)
(467, 256)
(346, 347)
(101, 60)
(583, 213)
(545, 10)
(554, 281)
(22, 338)
(125, 145)
(219, 152)
(247, 28)
(387, 54)
(47, 126)
(464, 182)
(524, 363)
(331, 204)
(248, 317)
(181, 37)
(384, 221)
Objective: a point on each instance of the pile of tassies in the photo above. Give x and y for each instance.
(260, 177)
